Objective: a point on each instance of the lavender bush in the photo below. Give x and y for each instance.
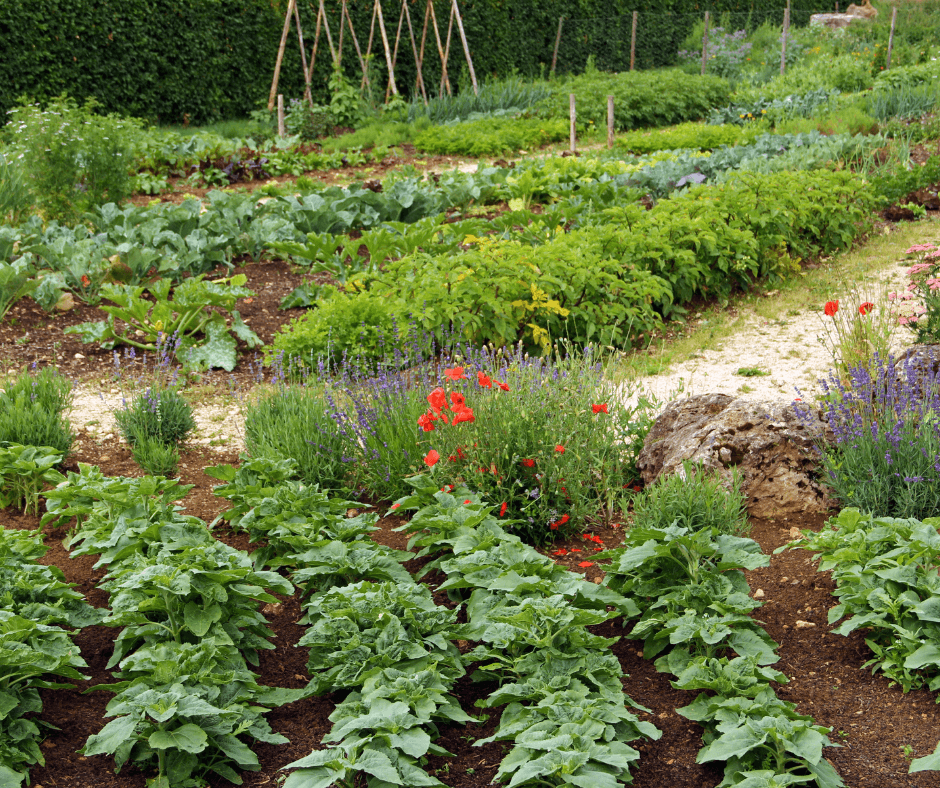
(548, 440)
(886, 424)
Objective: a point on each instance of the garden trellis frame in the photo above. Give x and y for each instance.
(292, 16)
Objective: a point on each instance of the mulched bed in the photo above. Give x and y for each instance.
(872, 721)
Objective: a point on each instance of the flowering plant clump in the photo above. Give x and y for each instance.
(918, 307)
(538, 436)
(856, 329)
(886, 422)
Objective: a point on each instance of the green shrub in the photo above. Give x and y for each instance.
(362, 326)
(506, 292)
(490, 136)
(693, 498)
(548, 439)
(158, 414)
(641, 98)
(303, 423)
(72, 158)
(155, 456)
(33, 407)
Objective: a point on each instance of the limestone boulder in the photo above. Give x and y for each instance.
(835, 21)
(770, 444)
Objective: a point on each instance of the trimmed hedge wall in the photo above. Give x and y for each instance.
(210, 59)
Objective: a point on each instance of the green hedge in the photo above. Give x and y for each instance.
(164, 59)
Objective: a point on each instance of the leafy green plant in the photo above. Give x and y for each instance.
(491, 136)
(693, 498)
(884, 586)
(33, 405)
(17, 279)
(642, 99)
(73, 158)
(693, 136)
(340, 326)
(24, 471)
(184, 317)
(29, 652)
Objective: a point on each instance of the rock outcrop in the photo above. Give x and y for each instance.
(769, 443)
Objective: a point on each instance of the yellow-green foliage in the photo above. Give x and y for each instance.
(693, 136)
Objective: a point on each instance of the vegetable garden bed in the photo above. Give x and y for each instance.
(872, 722)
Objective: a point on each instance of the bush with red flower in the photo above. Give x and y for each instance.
(543, 437)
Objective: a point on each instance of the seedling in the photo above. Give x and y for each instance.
(751, 372)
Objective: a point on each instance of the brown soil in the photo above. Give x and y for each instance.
(873, 721)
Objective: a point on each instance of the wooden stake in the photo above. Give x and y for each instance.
(633, 41)
(561, 21)
(329, 37)
(414, 50)
(369, 46)
(705, 45)
(424, 34)
(401, 22)
(572, 131)
(280, 54)
(342, 27)
(610, 122)
(388, 52)
(894, 17)
(446, 55)
(281, 130)
(466, 49)
(303, 56)
(783, 40)
(316, 44)
(352, 32)
(445, 82)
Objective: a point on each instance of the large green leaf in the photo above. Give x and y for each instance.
(111, 736)
(188, 737)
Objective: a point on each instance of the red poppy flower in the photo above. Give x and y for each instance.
(85, 281)
(503, 386)
(464, 414)
(553, 526)
(560, 449)
(484, 381)
(426, 422)
(831, 308)
(562, 551)
(457, 399)
(438, 399)
(586, 563)
(598, 548)
(431, 458)
(528, 463)
(455, 374)
(502, 510)
(466, 502)
(602, 408)
(865, 308)
(564, 519)
(575, 549)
